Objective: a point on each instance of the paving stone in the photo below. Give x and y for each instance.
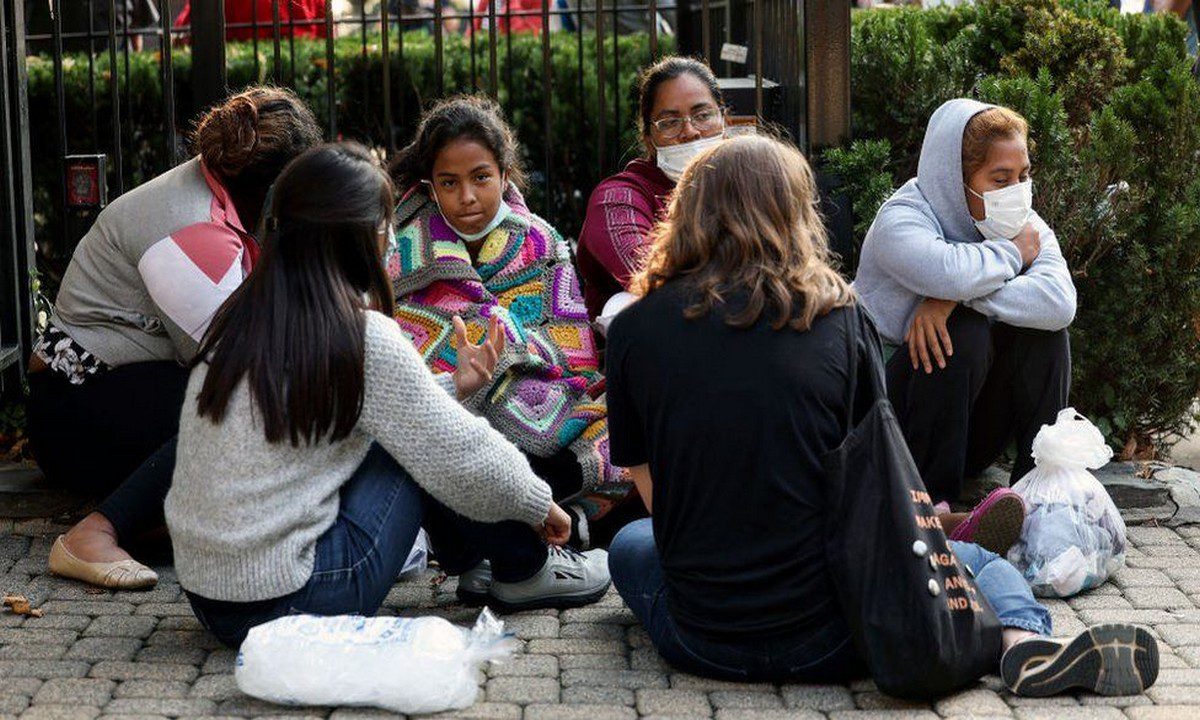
(151, 689)
(482, 711)
(522, 690)
(88, 607)
(244, 706)
(171, 707)
(133, 717)
(633, 679)
(176, 655)
(43, 669)
(356, 713)
(1100, 601)
(85, 691)
(62, 622)
(528, 627)
(647, 659)
(30, 651)
(37, 636)
(13, 704)
(744, 700)
(672, 702)
(166, 609)
(880, 701)
(594, 662)
(1120, 701)
(1055, 701)
(972, 702)
(1068, 713)
(60, 712)
(184, 638)
(1141, 617)
(818, 697)
(1176, 634)
(94, 649)
(220, 661)
(687, 681)
(23, 686)
(1158, 712)
(1157, 597)
(119, 670)
(593, 631)
(215, 687)
(769, 714)
(129, 626)
(607, 615)
(590, 695)
(1178, 676)
(558, 646)
(526, 665)
(579, 712)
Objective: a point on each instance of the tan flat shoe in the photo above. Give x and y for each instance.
(119, 575)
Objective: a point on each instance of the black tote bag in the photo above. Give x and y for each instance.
(916, 615)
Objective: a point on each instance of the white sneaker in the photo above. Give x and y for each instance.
(474, 584)
(568, 579)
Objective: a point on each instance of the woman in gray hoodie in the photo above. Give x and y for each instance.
(970, 289)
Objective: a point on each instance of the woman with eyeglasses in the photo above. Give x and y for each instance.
(681, 115)
(971, 292)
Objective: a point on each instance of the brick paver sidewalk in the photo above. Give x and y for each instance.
(142, 654)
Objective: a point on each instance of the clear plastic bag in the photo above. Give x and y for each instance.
(1073, 538)
(406, 665)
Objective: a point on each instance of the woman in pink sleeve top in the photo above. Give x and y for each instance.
(681, 115)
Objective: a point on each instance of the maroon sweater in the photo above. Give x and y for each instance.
(620, 214)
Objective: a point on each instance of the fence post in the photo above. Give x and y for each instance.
(208, 53)
(827, 63)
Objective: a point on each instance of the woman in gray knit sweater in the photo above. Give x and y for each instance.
(314, 440)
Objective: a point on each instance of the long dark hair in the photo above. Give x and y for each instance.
(471, 117)
(294, 329)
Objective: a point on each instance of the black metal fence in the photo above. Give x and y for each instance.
(115, 85)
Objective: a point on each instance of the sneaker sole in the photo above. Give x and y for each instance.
(557, 602)
(472, 599)
(1000, 528)
(1107, 659)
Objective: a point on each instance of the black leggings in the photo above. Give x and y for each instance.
(88, 438)
(1001, 385)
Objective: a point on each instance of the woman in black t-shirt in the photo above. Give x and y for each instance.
(728, 384)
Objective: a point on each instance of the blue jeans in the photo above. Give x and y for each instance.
(359, 556)
(827, 656)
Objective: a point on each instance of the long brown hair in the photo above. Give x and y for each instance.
(294, 329)
(744, 219)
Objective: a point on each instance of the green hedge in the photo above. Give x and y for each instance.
(575, 162)
(1109, 98)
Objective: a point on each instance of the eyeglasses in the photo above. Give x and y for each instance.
(702, 121)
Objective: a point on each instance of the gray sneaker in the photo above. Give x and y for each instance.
(474, 584)
(568, 579)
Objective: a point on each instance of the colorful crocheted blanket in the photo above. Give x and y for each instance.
(523, 276)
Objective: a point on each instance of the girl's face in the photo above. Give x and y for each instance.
(675, 101)
(1007, 164)
(468, 184)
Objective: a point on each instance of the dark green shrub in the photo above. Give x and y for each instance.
(1109, 98)
(575, 163)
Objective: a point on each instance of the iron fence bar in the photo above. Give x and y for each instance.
(758, 59)
(508, 61)
(366, 56)
(600, 125)
(60, 120)
(115, 96)
(706, 30)
(384, 31)
(92, 73)
(616, 84)
(493, 67)
(547, 86)
(277, 47)
(330, 75)
(827, 72)
(168, 82)
(254, 38)
(291, 47)
(208, 52)
(127, 90)
(653, 30)
(20, 168)
(437, 47)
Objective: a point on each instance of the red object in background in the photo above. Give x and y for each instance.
(520, 23)
(85, 181)
(247, 11)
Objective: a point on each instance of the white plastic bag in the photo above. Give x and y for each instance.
(406, 665)
(1073, 538)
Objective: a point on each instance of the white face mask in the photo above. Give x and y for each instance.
(673, 159)
(502, 212)
(1005, 210)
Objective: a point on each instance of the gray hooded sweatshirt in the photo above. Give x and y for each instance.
(924, 244)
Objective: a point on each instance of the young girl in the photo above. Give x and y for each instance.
(107, 377)
(742, 314)
(314, 439)
(969, 284)
(681, 115)
(468, 245)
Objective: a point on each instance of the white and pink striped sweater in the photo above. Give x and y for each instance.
(158, 262)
